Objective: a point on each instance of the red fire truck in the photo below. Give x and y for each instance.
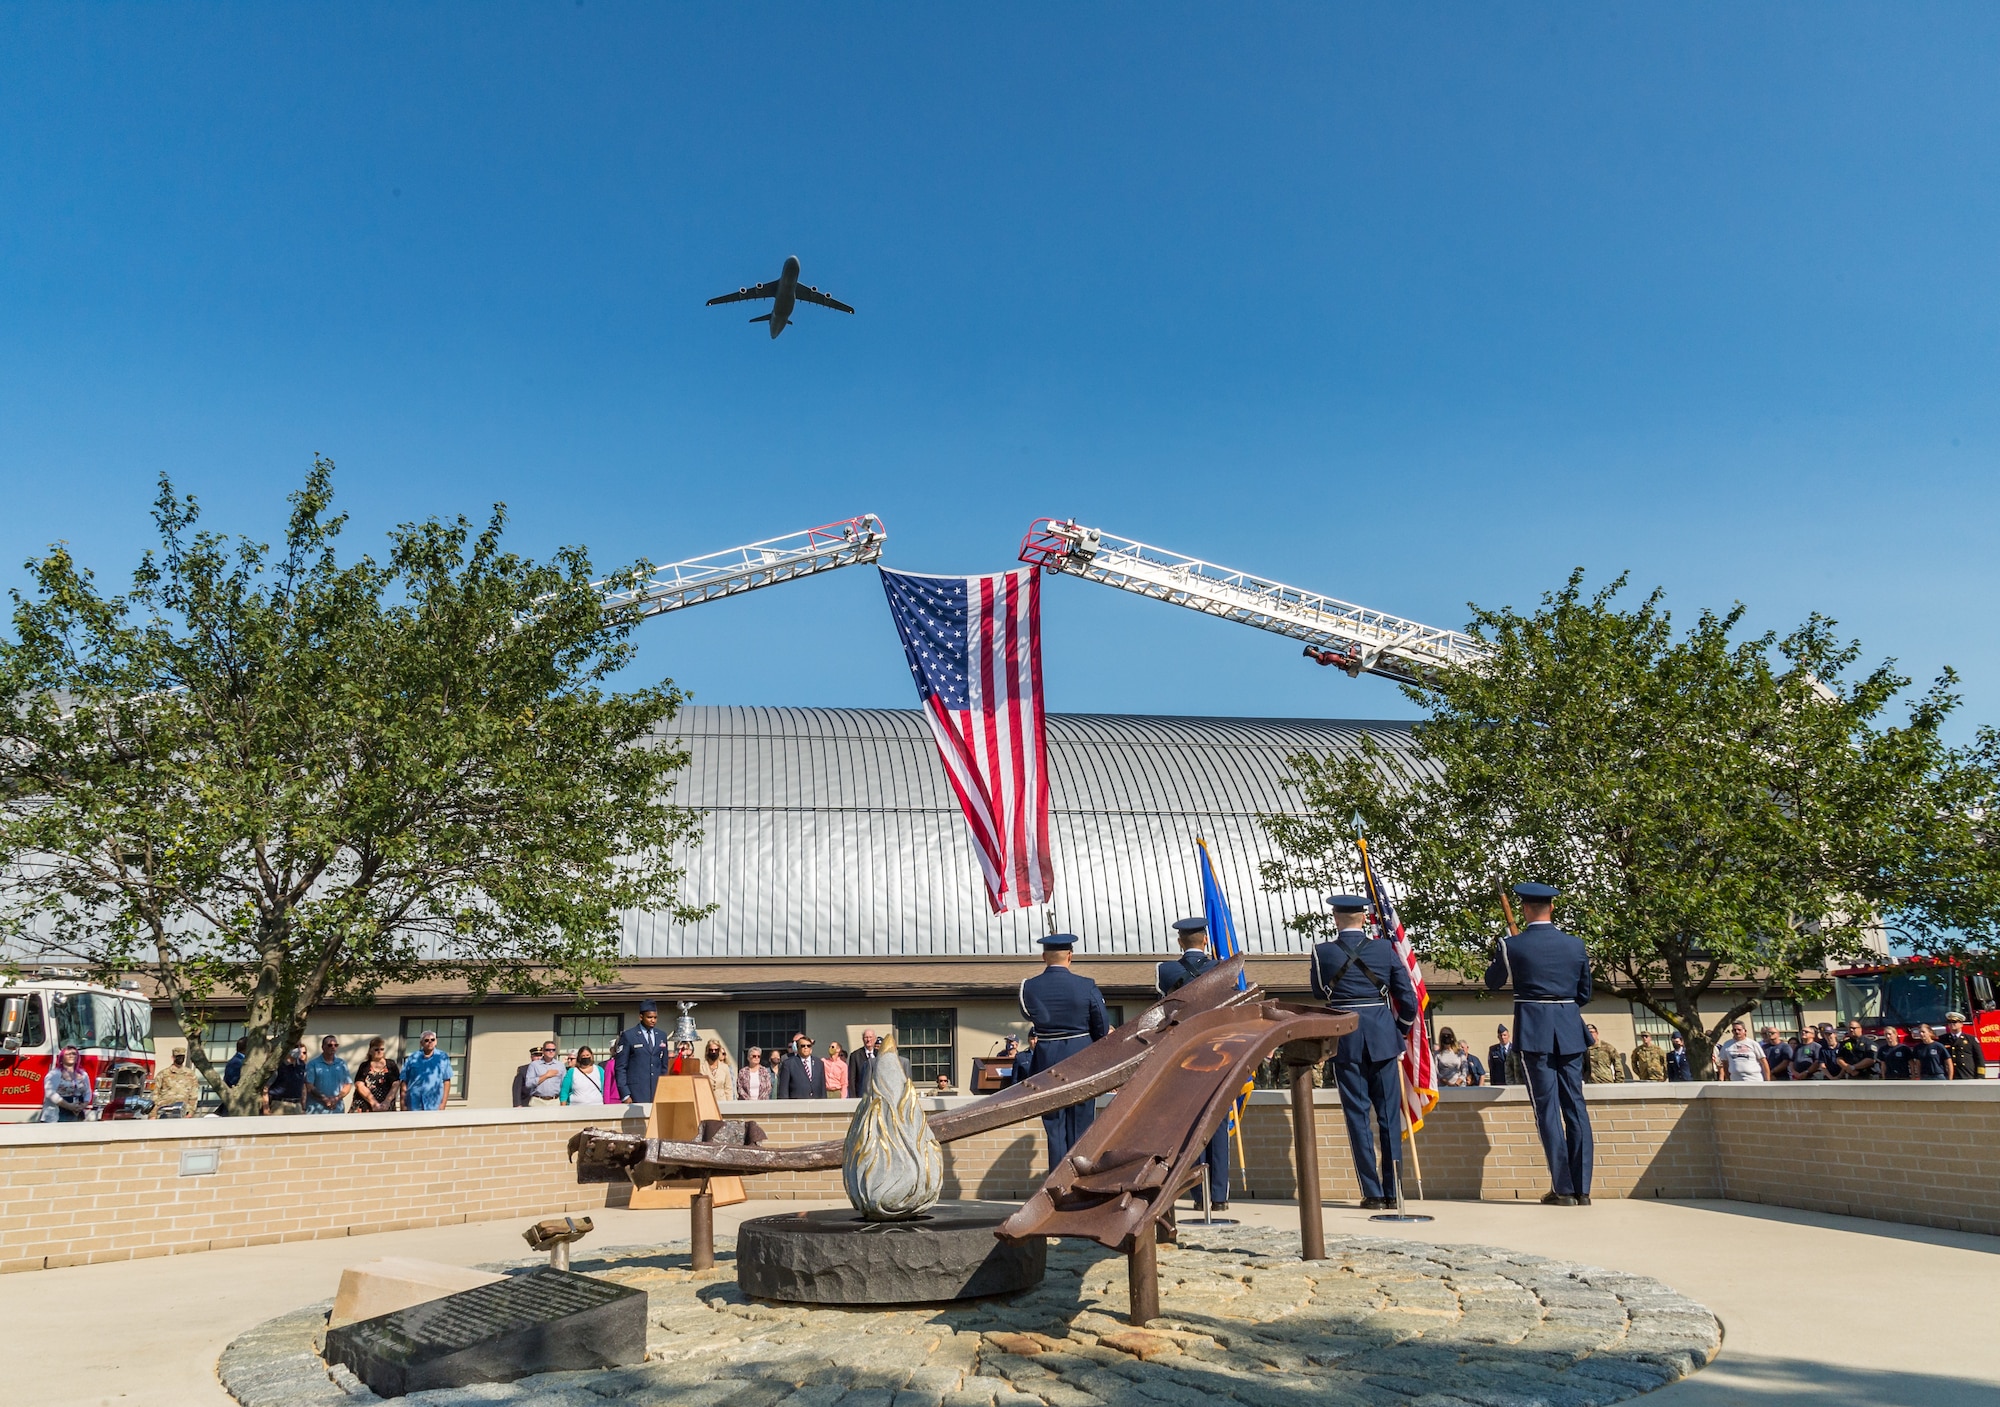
(1903, 995)
(112, 1029)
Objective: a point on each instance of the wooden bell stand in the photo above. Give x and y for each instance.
(681, 1104)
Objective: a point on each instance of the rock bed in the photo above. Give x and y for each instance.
(1243, 1319)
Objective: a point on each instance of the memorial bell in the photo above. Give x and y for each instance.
(684, 1024)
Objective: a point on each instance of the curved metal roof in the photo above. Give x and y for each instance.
(833, 832)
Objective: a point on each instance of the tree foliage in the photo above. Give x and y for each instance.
(1714, 807)
(299, 780)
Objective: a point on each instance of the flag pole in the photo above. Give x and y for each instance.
(1409, 1132)
(1402, 1073)
(1216, 942)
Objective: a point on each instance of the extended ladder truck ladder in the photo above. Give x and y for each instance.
(847, 543)
(1353, 638)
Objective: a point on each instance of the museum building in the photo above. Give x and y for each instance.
(847, 896)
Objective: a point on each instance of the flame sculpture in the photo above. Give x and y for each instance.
(892, 1165)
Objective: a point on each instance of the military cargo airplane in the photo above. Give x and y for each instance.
(787, 289)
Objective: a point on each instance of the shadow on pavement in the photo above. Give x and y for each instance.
(1753, 1380)
(1860, 1225)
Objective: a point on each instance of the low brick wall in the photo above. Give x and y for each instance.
(1928, 1154)
(77, 1193)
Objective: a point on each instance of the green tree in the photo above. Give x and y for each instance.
(299, 780)
(1714, 807)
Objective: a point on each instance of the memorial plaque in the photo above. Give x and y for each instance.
(544, 1321)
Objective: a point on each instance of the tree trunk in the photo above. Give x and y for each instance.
(1701, 1049)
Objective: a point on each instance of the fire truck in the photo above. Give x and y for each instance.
(1898, 997)
(112, 1029)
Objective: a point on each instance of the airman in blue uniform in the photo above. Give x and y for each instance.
(1550, 974)
(1193, 961)
(1067, 1012)
(1357, 973)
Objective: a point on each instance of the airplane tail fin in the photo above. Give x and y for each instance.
(765, 318)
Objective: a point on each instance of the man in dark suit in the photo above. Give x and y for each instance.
(642, 1053)
(1357, 973)
(1549, 971)
(1194, 960)
(802, 1076)
(1496, 1057)
(861, 1065)
(1067, 1013)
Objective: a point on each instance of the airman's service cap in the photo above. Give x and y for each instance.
(1346, 903)
(1191, 925)
(1058, 940)
(1543, 892)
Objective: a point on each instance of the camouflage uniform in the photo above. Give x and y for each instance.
(177, 1084)
(1649, 1062)
(1603, 1066)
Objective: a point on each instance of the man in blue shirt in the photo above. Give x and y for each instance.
(233, 1071)
(427, 1076)
(1549, 972)
(327, 1081)
(1355, 972)
(1194, 960)
(1777, 1054)
(1067, 1012)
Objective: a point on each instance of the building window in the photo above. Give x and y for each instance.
(1115, 1014)
(768, 1030)
(1781, 1012)
(218, 1043)
(928, 1038)
(598, 1030)
(1645, 1023)
(454, 1035)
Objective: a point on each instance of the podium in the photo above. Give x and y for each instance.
(680, 1105)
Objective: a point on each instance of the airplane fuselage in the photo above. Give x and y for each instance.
(787, 296)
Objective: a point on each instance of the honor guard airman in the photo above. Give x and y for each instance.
(1357, 973)
(1194, 960)
(1067, 1013)
(1550, 974)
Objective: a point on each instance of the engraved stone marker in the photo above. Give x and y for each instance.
(545, 1321)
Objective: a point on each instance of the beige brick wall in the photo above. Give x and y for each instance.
(73, 1194)
(1926, 1155)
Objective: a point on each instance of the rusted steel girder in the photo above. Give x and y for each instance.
(1097, 1069)
(1120, 1180)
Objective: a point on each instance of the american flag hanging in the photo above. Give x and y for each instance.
(975, 647)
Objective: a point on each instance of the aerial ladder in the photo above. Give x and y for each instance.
(847, 543)
(1354, 639)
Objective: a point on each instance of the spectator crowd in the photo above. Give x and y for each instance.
(1813, 1053)
(630, 1071)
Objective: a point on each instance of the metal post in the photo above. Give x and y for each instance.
(559, 1256)
(1142, 1276)
(1305, 1158)
(701, 1229)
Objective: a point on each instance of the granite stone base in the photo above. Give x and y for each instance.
(1243, 1323)
(840, 1257)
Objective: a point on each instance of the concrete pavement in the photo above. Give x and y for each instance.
(1816, 1309)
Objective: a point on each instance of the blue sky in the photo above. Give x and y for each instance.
(1412, 304)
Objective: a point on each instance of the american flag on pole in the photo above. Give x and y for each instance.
(975, 647)
(1420, 1094)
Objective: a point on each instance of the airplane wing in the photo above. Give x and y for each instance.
(813, 295)
(743, 295)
